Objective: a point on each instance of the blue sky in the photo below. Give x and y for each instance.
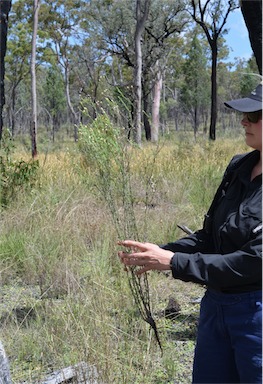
(237, 37)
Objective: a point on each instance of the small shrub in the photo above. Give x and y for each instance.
(106, 153)
(16, 175)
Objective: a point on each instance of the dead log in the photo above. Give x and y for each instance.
(81, 373)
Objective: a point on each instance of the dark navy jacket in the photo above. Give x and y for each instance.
(226, 254)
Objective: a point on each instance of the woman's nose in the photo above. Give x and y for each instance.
(244, 120)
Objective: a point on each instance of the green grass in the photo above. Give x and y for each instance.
(65, 297)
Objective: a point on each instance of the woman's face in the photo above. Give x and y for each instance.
(253, 131)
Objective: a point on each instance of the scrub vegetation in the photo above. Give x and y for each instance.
(65, 297)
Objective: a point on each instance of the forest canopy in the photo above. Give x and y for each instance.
(153, 60)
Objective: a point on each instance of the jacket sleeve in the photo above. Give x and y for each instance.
(199, 241)
(242, 267)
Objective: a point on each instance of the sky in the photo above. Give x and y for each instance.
(237, 37)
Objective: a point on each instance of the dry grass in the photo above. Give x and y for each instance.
(65, 297)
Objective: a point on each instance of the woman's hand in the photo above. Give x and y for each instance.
(147, 255)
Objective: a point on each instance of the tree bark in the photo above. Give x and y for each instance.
(33, 126)
(146, 122)
(141, 17)
(70, 106)
(156, 108)
(5, 7)
(212, 129)
(12, 117)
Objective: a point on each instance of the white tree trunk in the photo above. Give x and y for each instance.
(156, 108)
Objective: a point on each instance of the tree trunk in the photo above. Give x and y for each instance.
(70, 106)
(5, 7)
(176, 123)
(33, 125)
(138, 86)
(212, 129)
(141, 17)
(12, 119)
(156, 108)
(146, 123)
(252, 13)
(195, 120)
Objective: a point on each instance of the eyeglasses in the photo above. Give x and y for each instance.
(253, 117)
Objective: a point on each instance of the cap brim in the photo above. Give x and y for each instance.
(244, 105)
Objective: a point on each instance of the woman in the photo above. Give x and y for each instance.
(225, 255)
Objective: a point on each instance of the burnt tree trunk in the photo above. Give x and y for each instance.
(33, 124)
(145, 112)
(5, 7)
(212, 129)
(146, 122)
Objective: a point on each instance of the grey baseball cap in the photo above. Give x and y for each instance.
(251, 103)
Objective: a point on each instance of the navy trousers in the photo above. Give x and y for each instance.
(229, 340)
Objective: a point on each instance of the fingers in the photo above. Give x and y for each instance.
(140, 255)
(130, 261)
(137, 256)
(134, 258)
(133, 244)
(142, 270)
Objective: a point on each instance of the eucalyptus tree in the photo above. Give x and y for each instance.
(5, 6)
(142, 12)
(194, 93)
(61, 21)
(33, 125)
(114, 23)
(23, 58)
(212, 15)
(90, 71)
(17, 62)
(54, 97)
(117, 29)
(166, 21)
(173, 78)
